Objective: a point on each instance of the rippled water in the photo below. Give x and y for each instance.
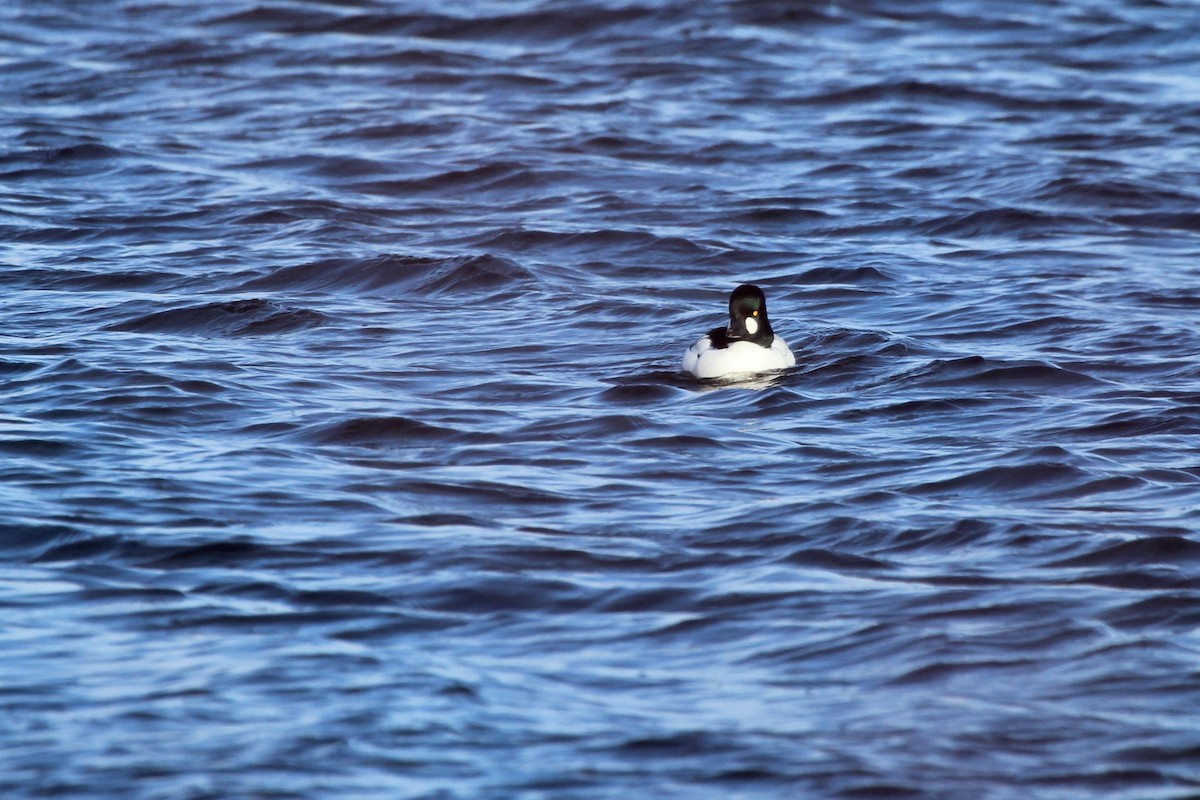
(346, 452)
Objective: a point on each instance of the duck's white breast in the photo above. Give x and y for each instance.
(705, 361)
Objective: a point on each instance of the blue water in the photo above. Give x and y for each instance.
(346, 452)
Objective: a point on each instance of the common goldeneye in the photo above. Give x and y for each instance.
(746, 345)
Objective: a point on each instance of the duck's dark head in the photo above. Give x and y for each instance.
(748, 316)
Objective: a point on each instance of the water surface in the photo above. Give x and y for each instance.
(346, 452)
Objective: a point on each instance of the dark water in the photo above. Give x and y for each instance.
(345, 452)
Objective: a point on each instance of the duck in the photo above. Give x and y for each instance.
(747, 345)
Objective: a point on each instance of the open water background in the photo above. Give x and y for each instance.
(345, 452)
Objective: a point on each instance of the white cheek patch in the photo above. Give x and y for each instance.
(751, 325)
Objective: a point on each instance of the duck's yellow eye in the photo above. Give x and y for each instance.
(755, 312)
